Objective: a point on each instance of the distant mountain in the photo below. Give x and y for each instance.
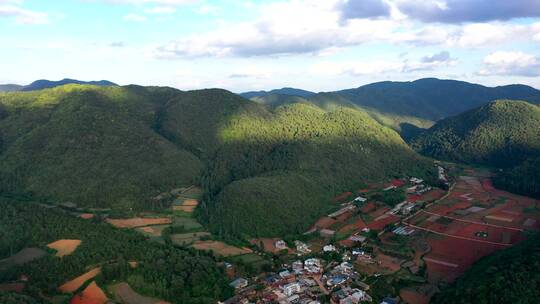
(432, 98)
(283, 91)
(47, 84)
(501, 133)
(407, 106)
(10, 87)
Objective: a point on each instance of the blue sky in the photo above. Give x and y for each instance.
(320, 45)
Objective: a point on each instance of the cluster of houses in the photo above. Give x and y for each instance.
(306, 282)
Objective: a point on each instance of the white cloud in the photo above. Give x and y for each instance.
(511, 64)
(21, 15)
(135, 18)
(163, 10)
(283, 28)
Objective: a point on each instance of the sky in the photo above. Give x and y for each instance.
(318, 45)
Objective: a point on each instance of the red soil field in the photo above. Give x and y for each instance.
(398, 182)
(92, 294)
(358, 225)
(381, 222)
(324, 222)
(86, 216)
(73, 285)
(138, 222)
(413, 198)
(378, 212)
(368, 208)
(342, 196)
(413, 296)
(64, 247)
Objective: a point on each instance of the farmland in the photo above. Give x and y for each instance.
(64, 247)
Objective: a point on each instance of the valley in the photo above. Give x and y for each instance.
(157, 195)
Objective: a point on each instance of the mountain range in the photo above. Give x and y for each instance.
(407, 106)
(47, 84)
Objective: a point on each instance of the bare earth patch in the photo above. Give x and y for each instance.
(73, 285)
(64, 247)
(123, 293)
(220, 248)
(92, 294)
(138, 222)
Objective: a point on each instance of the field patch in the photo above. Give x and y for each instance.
(22, 257)
(64, 247)
(221, 248)
(124, 294)
(182, 239)
(138, 222)
(152, 231)
(92, 294)
(76, 283)
(188, 223)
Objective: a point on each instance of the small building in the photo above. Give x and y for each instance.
(329, 248)
(239, 283)
(391, 187)
(388, 301)
(415, 180)
(281, 245)
(360, 199)
(358, 238)
(327, 233)
(301, 247)
(285, 274)
(291, 288)
(298, 267)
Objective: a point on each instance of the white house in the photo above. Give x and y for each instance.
(329, 248)
(291, 288)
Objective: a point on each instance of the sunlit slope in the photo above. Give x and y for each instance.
(92, 146)
(276, 173)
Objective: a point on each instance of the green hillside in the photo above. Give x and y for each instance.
(522, 179)
(501, 134)
(275, 166)
(91, 146)
(508, 276)
(291, 161)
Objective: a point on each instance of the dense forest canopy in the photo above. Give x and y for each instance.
(502, 134)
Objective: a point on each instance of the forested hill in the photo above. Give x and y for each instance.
(282, 91)
(276, 169)
(47, 84)
(502, 133)
(95, 146)
(405, 105)
(120, 147)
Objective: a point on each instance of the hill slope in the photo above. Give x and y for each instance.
(291, 160)
(501, 134)
(93, 146)
(120, 146)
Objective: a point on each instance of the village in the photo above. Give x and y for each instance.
(390, 242)
(380, 247)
